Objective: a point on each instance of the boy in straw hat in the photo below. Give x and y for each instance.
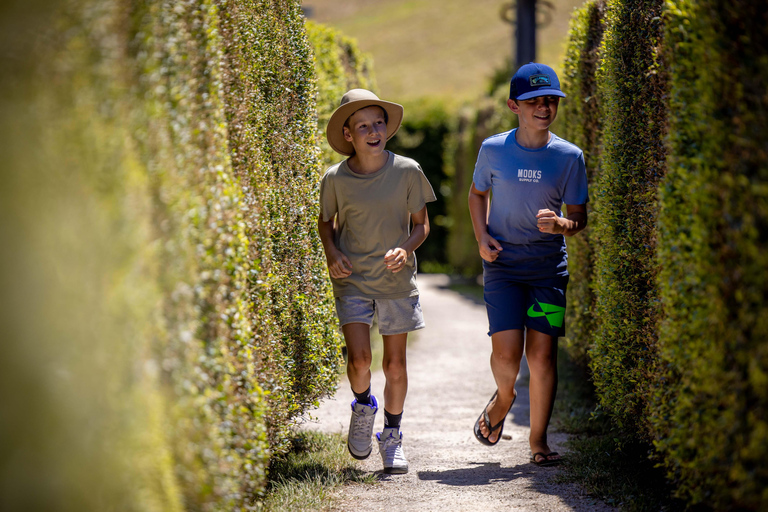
(531, 173)
(368, 203)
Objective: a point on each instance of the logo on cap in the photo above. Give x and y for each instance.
(539, 80)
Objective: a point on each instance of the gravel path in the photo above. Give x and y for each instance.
(449, 383)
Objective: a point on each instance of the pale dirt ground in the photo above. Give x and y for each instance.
(449, 383)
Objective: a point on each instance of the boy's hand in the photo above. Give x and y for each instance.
(489, 247)
(549, 222)
(339, 265)
(395, 259)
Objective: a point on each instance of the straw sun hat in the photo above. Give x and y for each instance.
(351, 102)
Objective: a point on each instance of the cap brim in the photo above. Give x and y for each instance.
(334, 132)
(541, 92)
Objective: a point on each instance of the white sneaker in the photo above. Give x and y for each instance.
(391, 450)
(361, 429)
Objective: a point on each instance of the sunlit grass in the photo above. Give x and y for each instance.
(308, 477)
(599, 458)
(445, 48)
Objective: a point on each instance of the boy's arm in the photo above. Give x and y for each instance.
(396, 258)
(478, 211)
(339, 265)
(574, 221)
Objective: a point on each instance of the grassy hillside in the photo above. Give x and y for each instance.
(444, 48)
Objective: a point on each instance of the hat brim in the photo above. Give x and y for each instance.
(541, 92)
(334, 132)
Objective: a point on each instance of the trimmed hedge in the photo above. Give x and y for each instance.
(582, 125)
(269, 63)
(166, 311)
(678, 242)
(630, 90)
(711, 424)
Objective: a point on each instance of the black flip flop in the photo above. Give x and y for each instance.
(546, 462)
(479, 435)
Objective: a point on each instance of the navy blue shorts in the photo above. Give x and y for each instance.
(525, 288)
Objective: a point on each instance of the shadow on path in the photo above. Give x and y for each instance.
(479, 473)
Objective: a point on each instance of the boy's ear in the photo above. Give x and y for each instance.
(513, 106)
(347, 135)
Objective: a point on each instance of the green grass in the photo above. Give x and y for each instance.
(309, 475)
(445, 48)
(599, 458)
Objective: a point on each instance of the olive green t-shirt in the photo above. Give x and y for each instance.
(374, 215)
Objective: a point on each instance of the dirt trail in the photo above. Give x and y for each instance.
(449, 383)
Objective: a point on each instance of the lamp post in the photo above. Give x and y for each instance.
(526, 32)
(526, 16)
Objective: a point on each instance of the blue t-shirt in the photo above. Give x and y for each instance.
(524, 181)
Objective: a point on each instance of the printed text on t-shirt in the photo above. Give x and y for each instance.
(529, 175)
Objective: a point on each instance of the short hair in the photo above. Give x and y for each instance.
(386, 115)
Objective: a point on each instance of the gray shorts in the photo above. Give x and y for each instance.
(394, 316)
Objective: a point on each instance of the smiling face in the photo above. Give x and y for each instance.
(536, 114)
(366, 129)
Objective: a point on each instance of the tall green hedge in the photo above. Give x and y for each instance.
(711, 421)
(269, 62)
(582, 125)
(678, 241)
(83, 418)
(630, 89)
(166, 311)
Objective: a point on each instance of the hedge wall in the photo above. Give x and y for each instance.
(677, 240)
(166, 313)
(582, 125)
(711, 424)
(630, 89)
(270, 64)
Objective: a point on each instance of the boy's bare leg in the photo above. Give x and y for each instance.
(541, 353)
(395, 372)
(505, 365)
(357, 337)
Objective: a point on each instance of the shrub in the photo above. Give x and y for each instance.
(711, 417)
(166, 307)
(273, 139)
(580, 113)
(633, 112)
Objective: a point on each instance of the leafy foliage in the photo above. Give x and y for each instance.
(711, 422)
(166, 308)
(679, 277)
(583, 126)
(633, 113)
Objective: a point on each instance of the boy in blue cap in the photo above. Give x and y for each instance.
(531, 173)
(368, 203)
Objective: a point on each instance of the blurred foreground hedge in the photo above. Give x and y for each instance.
(671, 312)
(165, 310)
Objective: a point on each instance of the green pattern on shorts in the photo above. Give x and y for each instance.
(555, 315)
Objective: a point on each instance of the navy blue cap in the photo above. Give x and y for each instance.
(533, 80)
